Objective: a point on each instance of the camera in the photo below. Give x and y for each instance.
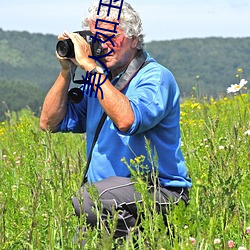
(65, 48)
(75, 95)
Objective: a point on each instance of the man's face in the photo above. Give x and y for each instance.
(123, 50)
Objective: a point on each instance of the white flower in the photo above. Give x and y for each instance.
(237, 87)
(247, 133)
(242, 248)
(217, 241)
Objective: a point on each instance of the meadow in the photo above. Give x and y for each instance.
(40, 172)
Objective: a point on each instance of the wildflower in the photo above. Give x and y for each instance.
(221, 147)
(242, 248)
(217, 241)
(14, 188)
(248, 230)
(195, 106)
(132, 162)
(237, 87)
(230, 244)
(247, 133)
(137, 159)
(240, 70)
(123, 160)
(198, 182)
(45, 216)
(192, 240)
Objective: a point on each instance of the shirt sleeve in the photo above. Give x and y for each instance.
(153, 97)
(75, 118)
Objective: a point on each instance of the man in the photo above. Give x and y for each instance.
(141, 100)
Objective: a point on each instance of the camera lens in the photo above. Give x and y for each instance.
(75, 95)
(65, 48)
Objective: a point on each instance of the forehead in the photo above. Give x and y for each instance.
(104, 27)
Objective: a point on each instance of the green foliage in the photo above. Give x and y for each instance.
(28, 68)
(40, 172)
(26, 57)
(14, 95)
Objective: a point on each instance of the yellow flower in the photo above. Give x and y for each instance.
(240, 70)
(138, 160)
(132, 162)
(195, 105)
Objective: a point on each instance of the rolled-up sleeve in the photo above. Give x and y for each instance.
(75, 118)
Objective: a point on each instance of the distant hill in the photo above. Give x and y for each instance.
(209, 64)
(28, 58)
(28, 65)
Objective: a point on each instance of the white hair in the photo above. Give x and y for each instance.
(129, 22)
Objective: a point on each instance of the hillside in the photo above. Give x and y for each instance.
(28, 57)
(210, 63)
(28, 66)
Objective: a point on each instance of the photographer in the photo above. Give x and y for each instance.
(141, 100)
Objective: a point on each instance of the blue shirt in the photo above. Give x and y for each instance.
(154, 97)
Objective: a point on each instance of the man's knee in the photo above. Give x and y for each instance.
(84, 205)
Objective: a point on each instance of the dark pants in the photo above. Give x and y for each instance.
(119, 194)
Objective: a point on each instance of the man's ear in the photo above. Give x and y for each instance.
(134, 42)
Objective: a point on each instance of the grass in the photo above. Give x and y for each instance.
(40, 172)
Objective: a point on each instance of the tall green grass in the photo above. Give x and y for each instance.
(40, 172)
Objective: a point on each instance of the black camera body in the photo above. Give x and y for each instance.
(65, 48)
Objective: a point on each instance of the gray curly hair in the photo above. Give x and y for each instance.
(129, 22)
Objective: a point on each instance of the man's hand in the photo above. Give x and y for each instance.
(66, 63)
(82, 51)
